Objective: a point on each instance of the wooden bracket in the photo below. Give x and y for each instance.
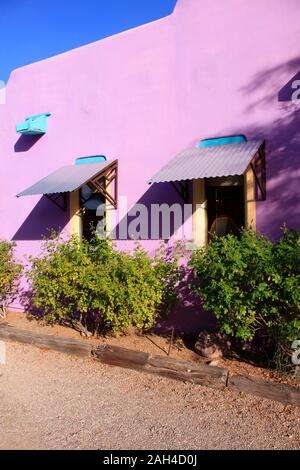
(100, 183)
(59, 199)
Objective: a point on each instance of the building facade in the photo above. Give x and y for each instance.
(210, 70)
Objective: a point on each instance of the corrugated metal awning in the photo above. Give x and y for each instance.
(66, 179)
(209, 162)
(73, 177)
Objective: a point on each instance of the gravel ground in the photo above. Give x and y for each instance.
(53, 401)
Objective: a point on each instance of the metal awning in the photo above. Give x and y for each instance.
(209, 162)
(212, 162)
(71, 178)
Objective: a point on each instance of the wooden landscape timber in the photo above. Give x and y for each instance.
(54, 343)
(197, 374)
(165, 366)
(264, 389)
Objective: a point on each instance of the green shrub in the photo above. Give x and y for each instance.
(251, 285)
(286, 255)
(100, 287)
(10, 272)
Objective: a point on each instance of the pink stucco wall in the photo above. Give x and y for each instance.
(211, 68)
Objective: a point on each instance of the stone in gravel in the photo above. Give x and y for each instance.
(212, 345)
(214, 363)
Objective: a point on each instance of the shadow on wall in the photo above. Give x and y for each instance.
(283, 147)
(189, 317)
(26, 142)
(265, 84)
(286, 92)
(27, 302)
(44, 217)
(157, 194)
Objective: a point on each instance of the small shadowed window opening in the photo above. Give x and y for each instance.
(93, 209)
(225, 205)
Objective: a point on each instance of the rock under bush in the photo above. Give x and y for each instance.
(212, 345)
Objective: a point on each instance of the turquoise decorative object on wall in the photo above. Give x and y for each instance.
(34, 125)
(229, 139)
(93, 159)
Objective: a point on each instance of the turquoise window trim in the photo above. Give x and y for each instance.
(92, 159)
(224, 140)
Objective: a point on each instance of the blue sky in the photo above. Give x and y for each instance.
(32, 30)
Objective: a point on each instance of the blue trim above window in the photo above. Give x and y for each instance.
(93, 159)
(229, 139)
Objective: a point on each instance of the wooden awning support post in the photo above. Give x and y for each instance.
(258, 166)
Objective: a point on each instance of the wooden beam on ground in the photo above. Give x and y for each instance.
(208, 376)
(54, 343)
(198, 374)
(167, 367)
(121, 357)
(262, 388)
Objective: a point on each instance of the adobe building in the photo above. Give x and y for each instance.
(198, 109)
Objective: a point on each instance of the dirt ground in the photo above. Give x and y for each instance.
(54, 401)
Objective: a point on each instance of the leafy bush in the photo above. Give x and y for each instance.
(100, 287)
(10, 272)
(251, 285)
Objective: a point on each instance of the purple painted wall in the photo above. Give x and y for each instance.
(211, 68)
